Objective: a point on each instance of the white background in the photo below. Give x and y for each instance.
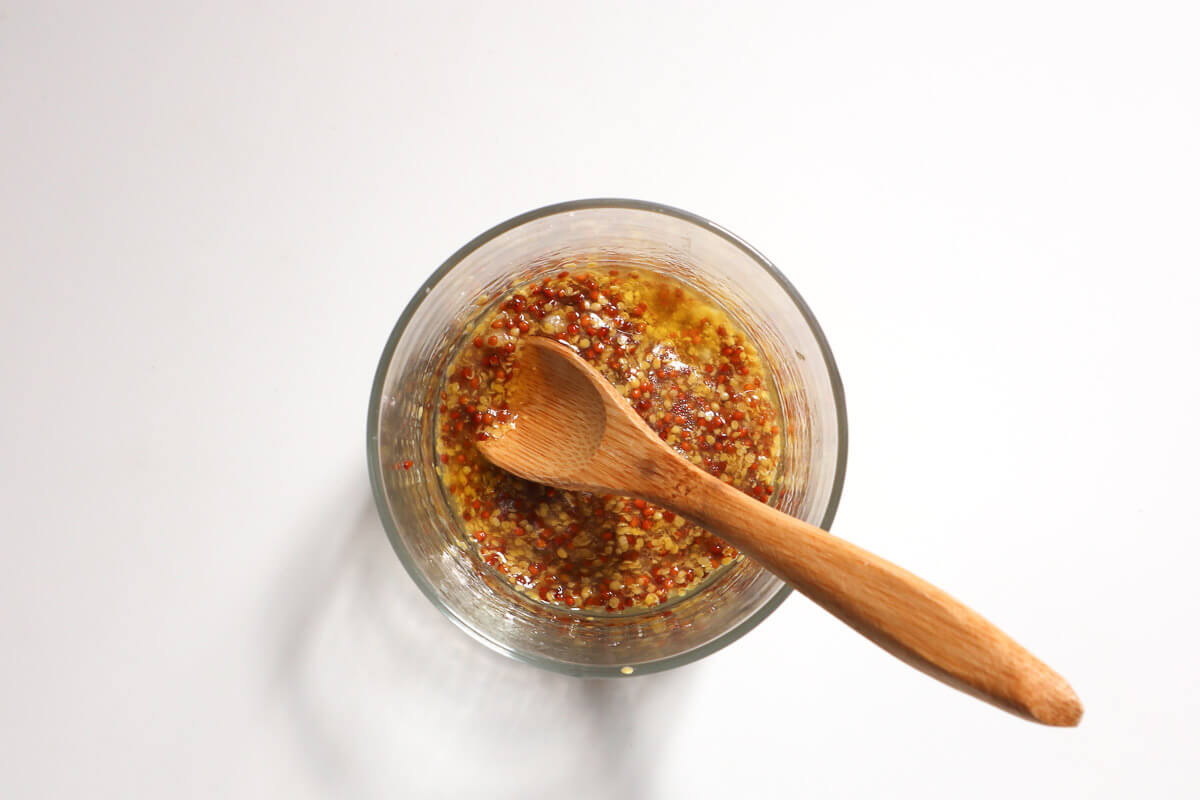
(211, 215)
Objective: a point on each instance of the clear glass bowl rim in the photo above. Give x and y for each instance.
(374, 464)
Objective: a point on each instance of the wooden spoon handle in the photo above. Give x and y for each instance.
(912, 619)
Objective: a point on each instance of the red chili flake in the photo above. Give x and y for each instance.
(408, 464)
(445, 458)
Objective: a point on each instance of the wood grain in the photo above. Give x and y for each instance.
(573, 430)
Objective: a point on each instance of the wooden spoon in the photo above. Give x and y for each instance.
(572, 430)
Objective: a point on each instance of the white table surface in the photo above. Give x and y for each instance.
(211, 215)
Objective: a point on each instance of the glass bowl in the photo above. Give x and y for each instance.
(413, 506)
